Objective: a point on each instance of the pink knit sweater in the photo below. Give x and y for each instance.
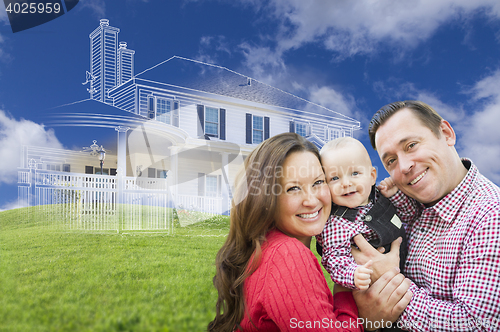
(288, 292)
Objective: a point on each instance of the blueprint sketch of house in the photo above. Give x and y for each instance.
(183, 130)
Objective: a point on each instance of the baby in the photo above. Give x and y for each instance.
(358, 208)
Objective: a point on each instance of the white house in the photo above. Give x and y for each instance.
(183, 126)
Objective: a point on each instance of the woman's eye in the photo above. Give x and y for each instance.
(294, 188)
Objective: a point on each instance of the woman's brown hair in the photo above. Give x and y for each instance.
(252, 217)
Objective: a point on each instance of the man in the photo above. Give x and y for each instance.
(453, 236)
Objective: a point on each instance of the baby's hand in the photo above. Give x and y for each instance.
(387, 187)
(362, 276)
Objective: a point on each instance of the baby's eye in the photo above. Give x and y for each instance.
(319, 182)
(355, 173)
(334, 178)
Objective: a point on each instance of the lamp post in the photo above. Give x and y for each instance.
(102, 155)
(95, 150)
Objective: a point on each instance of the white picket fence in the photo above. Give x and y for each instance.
(109, 203)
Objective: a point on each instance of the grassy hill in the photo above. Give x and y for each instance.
(53, 279)
(56, 280)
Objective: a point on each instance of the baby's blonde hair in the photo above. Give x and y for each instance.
(339, 143)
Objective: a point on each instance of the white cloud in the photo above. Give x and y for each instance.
(97, 6)
(211, 47)
(15, 204)
(479, 137)
(13, 135)
(330, 98)
(358, 27)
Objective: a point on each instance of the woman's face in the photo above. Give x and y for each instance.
(304, 201)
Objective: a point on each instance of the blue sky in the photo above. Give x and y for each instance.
(350, 56)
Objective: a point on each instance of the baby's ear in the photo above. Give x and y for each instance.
(374, 175)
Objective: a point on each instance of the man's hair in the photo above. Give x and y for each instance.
(426, 114)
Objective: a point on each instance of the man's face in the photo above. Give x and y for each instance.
(419, 163)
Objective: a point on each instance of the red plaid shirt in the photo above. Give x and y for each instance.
(454, 258)
(336, 240)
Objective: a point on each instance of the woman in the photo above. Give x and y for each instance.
(267, 277)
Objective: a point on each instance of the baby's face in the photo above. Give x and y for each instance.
(349, 175)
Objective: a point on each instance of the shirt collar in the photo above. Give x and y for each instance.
(447, 208)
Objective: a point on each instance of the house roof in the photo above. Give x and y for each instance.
(221, 81)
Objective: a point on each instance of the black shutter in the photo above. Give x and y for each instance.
(249, 128)
(222, 120)
(266, 127)
(151, 107)
(175, 116)
(201, 120)
(292, 126)
(89, 169)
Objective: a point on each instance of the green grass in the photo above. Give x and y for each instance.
(53, 280)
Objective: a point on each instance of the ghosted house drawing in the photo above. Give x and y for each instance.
(184, 128)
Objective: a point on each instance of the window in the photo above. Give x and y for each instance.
(89, 169)
(165, 110)
(335, 133)
(52, 167)
(151, 173)
(97, 170)
(211, 186)
(161, 174)
(212, 121)
(257, 129)
(301, 129)
(66, 168)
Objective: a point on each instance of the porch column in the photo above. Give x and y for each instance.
(121, 161)
(174, 168)
(225, 183)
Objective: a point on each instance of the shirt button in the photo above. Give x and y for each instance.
(368, 218)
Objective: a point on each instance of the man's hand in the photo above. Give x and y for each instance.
(384, 301)
(381, 263)
(387, 187)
